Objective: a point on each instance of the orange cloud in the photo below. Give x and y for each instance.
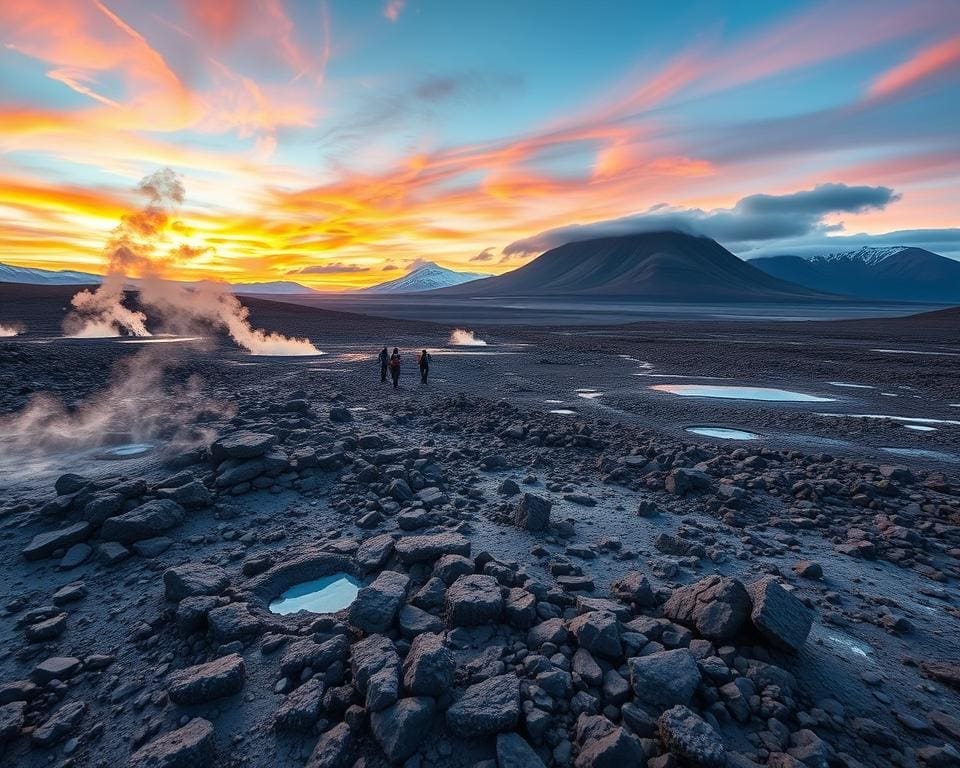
(941, 57)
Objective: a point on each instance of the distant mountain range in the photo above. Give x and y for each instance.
(667, 266)
(427, 277)
(888, 274)
(25, 276)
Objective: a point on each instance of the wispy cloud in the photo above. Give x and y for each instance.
(393, 9)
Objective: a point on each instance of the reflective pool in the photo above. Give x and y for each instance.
(325, 595)
(739, 393)
(127, 451)
(920, 453)
(724, 433)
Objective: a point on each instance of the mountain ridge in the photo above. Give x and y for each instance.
(427, 277)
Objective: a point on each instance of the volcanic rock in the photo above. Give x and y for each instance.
(514, 752)
(242, 445)
(376, 605)
(400, 728)
(691, 739)
(143, 522)
(207, 682)
(486, 708)
(45, 544)
(472, 600)
(299, 711)
(426, 549)
(599, 633)
(191, 746)
(333, 749)
(194, 579)
(715, 606)
(429, 666)
(779, 615)
(665, 678)
(532, 513)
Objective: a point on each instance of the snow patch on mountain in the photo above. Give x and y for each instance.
(871, 256)
(427, 277)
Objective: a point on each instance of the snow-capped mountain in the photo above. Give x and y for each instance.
(897, 273)
(26, 276)
(427, 277)
(279, 287)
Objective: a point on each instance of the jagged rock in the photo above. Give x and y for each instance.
(472, 600)
(400, 728)
(514, 752)
(520, 608)
(191, 746)
(449, 568)
(532, 513)
(60, 724)
(374, 552)
(192, 495)
(45, 544)
(486, 708)
(317, 656)
(207, 682)
(299, 711)
(715, 606)
(633, 587)
(599, 633)
(47, 629)
(429, 666)
(333, 748)
(680, 481)
(376, 605)
(144, 522)
(691, 739)
(11, 720)
(194, 579)
(665, 678)
(779, 615)
(604, 745)
(376, 671)
(112, 552)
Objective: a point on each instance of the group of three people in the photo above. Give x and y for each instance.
(391, 362)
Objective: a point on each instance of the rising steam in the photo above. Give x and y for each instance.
(11, 329)
(462, 338)
(141, 246)
(137, 406)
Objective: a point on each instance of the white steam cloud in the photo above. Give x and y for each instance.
(463, 338)
(11, 329)
(140, 246)
(137, 407)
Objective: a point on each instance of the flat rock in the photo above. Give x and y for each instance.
(207, 682)
(427, 549)
(45, 544)
(60, 724)
(55, 668)
(373, 553)
(194, 579)
(299, 711)
(489, 707)
(232, 622)
(191, 746)
(147, 521)
(779, 615)
(242, 445)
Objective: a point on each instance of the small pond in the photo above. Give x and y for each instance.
(328, 594)
(739, 393)
(724, 433)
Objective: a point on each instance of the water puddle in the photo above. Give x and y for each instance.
(588, 394)
(563, 412)
(902, 419)
(724, 433)
(128, 451)
(920, 428)
(920, 453)
(325, 595)
(916, 352)
(553, 402)
(848, 385)
(739, 393)
(162, 339)
(847, 645)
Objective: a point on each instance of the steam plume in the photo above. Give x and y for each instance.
(11, 329)
(137, 405)
(140, 246)
(462, 338)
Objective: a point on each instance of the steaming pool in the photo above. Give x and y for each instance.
(328, 594)
(767, 394)
(127, 451)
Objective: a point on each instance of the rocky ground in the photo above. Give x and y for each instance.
(590, 589)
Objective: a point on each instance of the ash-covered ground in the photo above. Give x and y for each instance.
(553, 569)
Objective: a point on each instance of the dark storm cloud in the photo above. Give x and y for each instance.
(335, 268)
(754, 219)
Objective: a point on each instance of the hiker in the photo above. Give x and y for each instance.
(424, 362)
(384, 358)
(395, 367)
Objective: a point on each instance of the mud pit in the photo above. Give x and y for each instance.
(411, 492)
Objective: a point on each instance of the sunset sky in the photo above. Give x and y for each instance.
(339, 143)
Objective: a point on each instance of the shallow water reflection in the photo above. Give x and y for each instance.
(325, 595)
(739, 393)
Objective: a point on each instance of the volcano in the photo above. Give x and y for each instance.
(668, 266)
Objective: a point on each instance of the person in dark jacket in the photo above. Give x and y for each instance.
(395, 367)
(424, 362)
(384, 360)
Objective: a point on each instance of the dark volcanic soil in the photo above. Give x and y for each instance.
(564, 627)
